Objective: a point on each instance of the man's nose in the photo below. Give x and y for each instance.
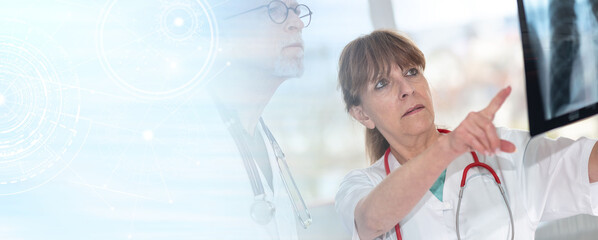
(293, 22)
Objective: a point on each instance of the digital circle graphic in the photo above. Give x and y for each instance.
(39, 108)
(161, 53)
(179, 23)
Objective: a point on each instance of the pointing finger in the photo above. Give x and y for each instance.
(496, 103)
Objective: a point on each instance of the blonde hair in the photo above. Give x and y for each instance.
(366, 59)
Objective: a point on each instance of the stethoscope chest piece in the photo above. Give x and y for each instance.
(262, 211)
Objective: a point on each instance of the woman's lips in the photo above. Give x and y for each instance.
(413, 110)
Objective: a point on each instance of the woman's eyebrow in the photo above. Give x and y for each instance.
(377, 77)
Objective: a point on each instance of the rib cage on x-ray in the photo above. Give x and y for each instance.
(573, 56)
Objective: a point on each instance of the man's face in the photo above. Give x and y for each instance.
(260, 43)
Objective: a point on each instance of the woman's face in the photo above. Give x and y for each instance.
(398, 105)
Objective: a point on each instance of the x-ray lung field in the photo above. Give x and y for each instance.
(563, 36)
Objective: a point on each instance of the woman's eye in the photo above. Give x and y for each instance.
(412, 72)
(381, 83)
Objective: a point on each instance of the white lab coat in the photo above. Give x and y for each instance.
(225, 194)
(543, 180)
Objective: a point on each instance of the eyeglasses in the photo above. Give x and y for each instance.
(279, 12)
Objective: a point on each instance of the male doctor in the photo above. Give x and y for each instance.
(250, 189)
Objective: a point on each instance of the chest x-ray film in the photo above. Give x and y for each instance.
(560, 48)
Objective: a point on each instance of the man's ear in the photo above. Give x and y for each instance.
(359, 115)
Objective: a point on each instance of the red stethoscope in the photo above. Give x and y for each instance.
(476, 163)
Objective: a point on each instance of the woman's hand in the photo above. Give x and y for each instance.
(477, 132)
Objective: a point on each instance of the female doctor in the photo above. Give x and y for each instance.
(474, 182)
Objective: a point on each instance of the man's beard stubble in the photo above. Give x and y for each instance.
(289, 67)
